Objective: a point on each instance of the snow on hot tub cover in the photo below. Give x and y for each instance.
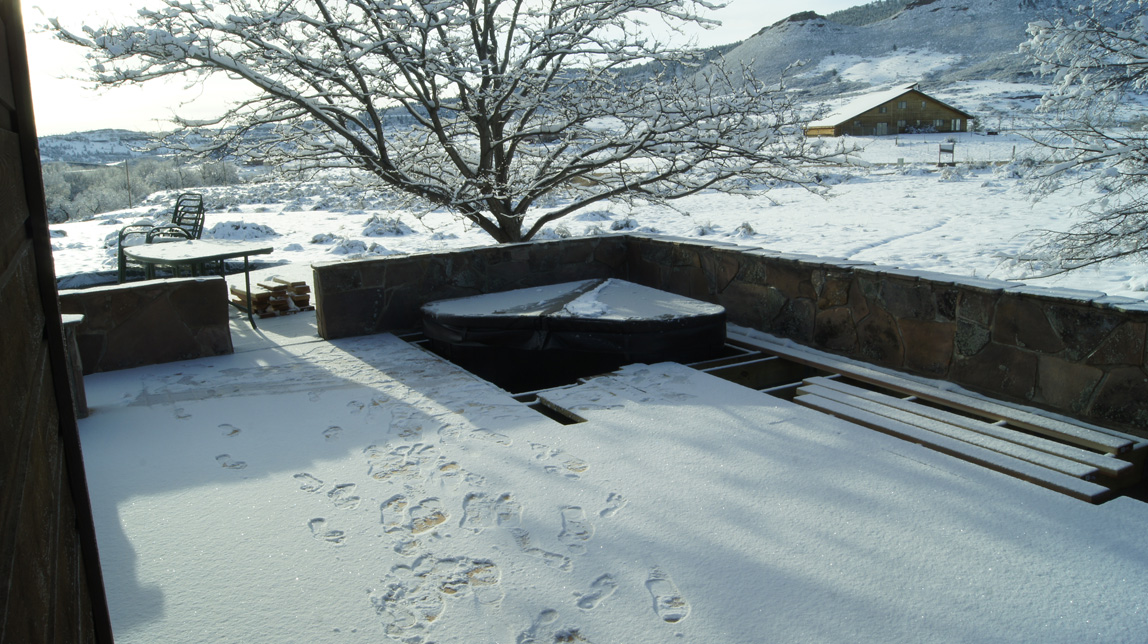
(599, 316)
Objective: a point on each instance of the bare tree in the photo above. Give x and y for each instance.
(1098, 58)
(490, 108)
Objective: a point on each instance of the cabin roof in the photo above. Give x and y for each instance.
(864, 103)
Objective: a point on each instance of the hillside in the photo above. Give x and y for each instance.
(938, 41)
(96, 147)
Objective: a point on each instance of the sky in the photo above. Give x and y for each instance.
(64, 104)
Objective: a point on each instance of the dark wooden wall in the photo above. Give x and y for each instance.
(914, 115)
(51, 588)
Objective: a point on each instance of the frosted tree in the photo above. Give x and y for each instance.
(1098, 59)
(511, 113)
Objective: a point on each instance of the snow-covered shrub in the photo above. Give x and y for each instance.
(324, 238)
(239, 230)
(952, 174)
(625, 223)
(743, 230)
(346, 246)
(379, 249)
(705, 228)
(557, 232)
(595, 215)
(386, 227)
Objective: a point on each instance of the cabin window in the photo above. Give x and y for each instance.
(939, 123)
(900, 124)
(856, 123)
(882, 109)
(902, 104)
(923, 104)
(957, 126)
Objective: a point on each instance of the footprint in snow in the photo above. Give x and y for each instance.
(614, 504)
(668, 601)
(225, 460)
(480, 511)
(308, 483)
(332, 433)
(321, 531)
(545, 630)
(600, 589)
(229, 430)
(343, 496)
(576, 530)
(393, 513)
(552, 559)
(427, 515)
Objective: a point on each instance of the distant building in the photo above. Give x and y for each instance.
(901, 110)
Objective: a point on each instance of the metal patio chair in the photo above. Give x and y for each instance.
(186, 223)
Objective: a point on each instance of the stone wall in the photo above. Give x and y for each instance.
(1075, 352)
(374, 295)
(141, 323)
(1079, 353)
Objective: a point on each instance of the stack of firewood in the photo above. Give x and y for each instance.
(276, 297)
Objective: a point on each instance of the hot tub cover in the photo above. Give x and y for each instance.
(599, 316)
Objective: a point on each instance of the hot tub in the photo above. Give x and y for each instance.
(564, 331)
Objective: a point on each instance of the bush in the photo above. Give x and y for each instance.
(78, 192)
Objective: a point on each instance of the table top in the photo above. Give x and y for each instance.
(194, 250)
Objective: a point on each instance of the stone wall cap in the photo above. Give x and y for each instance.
(1120, 303)
(142, 284)
(986, 284)
(763, 252)
(904, 273)
(800, 257)
(1139, 306)
(662, 237)
(1077, 295)
(845, 263)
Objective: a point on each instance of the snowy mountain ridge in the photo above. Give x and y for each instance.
(973, 39)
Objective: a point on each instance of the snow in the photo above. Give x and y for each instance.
(363, 491)
(902, 66)
(976, 220)
(608, 299)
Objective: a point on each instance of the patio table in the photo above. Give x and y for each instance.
(192, 254)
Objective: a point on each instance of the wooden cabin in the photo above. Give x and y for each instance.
(901, 110)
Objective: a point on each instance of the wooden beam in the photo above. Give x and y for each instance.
(1046, 478)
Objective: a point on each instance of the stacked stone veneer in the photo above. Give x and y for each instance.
(1079, 353)
(373, 295)
(141, 323)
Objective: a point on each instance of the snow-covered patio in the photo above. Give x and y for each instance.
(302, 490)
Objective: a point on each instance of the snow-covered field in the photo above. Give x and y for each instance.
(977, 219)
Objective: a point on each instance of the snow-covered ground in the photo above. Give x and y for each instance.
(977, 219)
(363, 490)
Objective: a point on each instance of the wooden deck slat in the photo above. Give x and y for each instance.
(1106, 465)
(1052, 480)
(1043, 459)
(1084, 435)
